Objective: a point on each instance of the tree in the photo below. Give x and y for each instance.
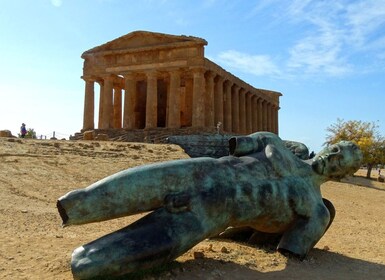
(365, 135)
(31, 133)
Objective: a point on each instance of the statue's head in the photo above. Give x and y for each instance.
(338, 160)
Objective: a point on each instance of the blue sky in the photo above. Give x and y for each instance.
(327, 57)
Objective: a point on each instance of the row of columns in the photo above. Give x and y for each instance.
(213, 99)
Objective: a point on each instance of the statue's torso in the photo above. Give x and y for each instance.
(272, 188)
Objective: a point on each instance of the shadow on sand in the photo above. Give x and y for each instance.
(319, 264)
(364, 182)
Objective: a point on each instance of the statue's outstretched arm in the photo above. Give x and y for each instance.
(135, 190)
(253, 143)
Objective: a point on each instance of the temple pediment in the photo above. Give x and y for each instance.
(142, 40)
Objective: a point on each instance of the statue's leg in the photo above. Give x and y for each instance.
(305, 232)
(156, 239)
(332, 211)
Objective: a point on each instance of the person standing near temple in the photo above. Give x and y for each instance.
(23, 130)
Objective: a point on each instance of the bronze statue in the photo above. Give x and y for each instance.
(261, 185)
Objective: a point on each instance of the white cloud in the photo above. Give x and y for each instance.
(258, 65)
(339, 30)
(332, 38)
(319, 54)
(57, 3)
(364, 18)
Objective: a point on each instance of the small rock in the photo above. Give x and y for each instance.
(199, 255)
(210, 248)
(59, 236)
(24, 211)
(224, 250)
(326, 248)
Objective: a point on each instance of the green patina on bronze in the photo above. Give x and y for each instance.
(261, 186)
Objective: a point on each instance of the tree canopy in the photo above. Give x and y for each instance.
(365, 135)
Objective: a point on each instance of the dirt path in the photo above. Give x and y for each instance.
(33, 174)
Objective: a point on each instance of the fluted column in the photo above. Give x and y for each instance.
(260, 114)
(209, 100)
(235, 108)
(228, 114)
(117, 121)
(249, 117)
(276, 125)
(173, 112)
(254, 113)
(107, 102)
(129, 101)
(269, 117)
(198, 116)
(264, 115)
(242, 111)
(101, 101)
(151, 99)
(89, 100)
(272, 118)
(218, 100)
(188, 101)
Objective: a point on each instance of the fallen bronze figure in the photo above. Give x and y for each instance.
(261, 187)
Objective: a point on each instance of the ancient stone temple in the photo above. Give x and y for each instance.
(152, 80)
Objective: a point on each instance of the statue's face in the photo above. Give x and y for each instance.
(338, 160)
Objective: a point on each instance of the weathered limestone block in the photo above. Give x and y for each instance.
(88, 135)
(5, 133)
(101, 137)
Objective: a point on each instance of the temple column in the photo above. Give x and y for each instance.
(188, 100)
(242, 111)
(273, 118)
(89, 103)
(209, 100)
(101, 100)
(260, 114)
(269, 117)
(129, 101)
(117, 121)
(272, 115)
(107, 102)
(227, 114)
(276, 122)
(198, 116)
(173, 112)
(264, 116)
(249, 117)
(254, 113)
(151, 100)
(235, 108)
(218, 100)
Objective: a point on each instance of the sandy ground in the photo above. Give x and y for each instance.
(33, 245)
